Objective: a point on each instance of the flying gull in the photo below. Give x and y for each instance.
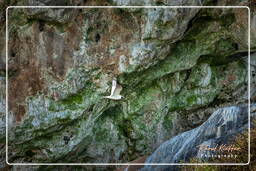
(115, 91)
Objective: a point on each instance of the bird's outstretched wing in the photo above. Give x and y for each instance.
(117, 90)
(113, 87)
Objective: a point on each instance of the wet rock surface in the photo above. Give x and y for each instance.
(176, 67)
(217, 130)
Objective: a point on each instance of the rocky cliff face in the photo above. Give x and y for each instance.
(176, 67)
(215, 132)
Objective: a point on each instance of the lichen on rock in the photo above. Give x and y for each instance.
(176, 67)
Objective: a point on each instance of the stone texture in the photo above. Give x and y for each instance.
(221, 126)
(174, 75)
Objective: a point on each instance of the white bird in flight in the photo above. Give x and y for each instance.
(115, 91)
